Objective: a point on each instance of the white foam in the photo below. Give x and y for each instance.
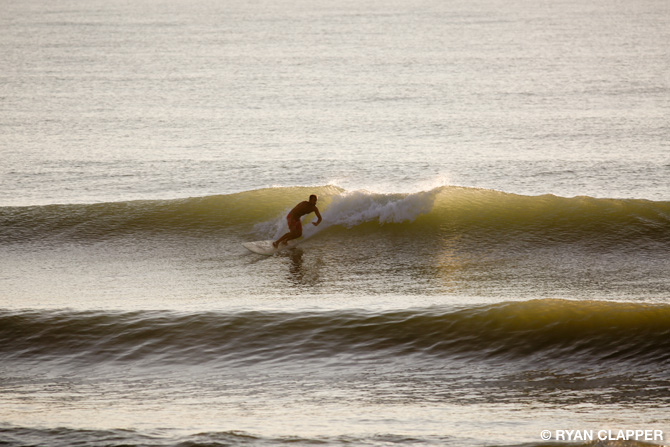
(353, 208)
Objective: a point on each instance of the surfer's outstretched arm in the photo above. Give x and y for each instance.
(318, 215)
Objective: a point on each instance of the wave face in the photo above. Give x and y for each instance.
(447, 212)
(552, 332)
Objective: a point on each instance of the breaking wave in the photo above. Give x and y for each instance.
(444, 211)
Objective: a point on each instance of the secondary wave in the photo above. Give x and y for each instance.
(550, 331)
(444, 211)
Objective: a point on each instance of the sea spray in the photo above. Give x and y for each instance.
(349, 209)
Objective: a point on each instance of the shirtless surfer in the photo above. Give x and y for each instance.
(293, 219)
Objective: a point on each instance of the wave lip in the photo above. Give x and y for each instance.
(552, 331)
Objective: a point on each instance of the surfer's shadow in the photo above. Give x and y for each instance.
(300, 272)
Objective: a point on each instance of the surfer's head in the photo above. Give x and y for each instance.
(313, 198)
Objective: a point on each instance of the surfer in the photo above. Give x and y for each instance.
(293, 219)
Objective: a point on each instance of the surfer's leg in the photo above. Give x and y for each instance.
(290, 238)
(276, 243)
(295, 231)
(284, 238)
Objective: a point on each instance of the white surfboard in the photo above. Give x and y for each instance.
(266, 248)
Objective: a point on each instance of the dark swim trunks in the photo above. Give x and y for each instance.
(294, 224)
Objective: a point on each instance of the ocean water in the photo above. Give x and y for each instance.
(492, 264)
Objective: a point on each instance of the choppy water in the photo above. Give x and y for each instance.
(492, 262)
